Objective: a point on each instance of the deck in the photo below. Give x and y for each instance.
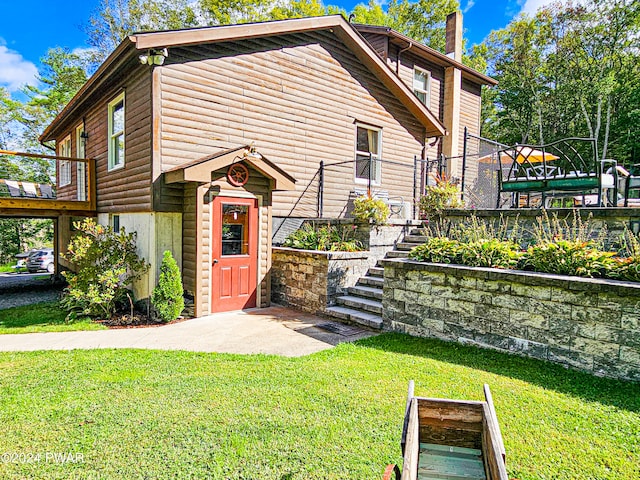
(27, 199)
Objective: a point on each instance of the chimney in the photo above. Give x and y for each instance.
(452, 96)
(453, 42)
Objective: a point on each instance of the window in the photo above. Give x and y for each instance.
(421, 84)
(81, 167)
(64, 166)
(368, 148)
(116, 133)
(115, 223)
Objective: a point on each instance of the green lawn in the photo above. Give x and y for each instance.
(42, 317)
(336, 414)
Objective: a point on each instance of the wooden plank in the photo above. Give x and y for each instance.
(412, 449)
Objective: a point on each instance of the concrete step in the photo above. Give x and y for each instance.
(415, 238)
(397, 254)
(416, 231)
(366, 292)
(376, 272)
(371, 281)
(356, 316)
(360, 303)
(406, 246)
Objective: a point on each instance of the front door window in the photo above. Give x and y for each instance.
(235, 229)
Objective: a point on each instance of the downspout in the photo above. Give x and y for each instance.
(398, 59)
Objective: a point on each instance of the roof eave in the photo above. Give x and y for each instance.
(117, 57)
(441, 58)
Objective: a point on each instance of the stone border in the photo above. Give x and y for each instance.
(583, 323)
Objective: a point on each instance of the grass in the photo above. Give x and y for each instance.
(336, 414)
(7, 268)
(42, 317)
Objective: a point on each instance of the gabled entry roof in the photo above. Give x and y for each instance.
(200, 170)
(134, 44)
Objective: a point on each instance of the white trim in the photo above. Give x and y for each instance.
(64, 166)
(111, 135)
(378, 177)
(81, 167)
(427, 87)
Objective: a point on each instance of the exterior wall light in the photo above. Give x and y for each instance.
(154, 57)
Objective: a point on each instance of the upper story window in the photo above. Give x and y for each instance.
(81, 168)
(64, 171)
(368, 148)
(116, 132)
(421, 84)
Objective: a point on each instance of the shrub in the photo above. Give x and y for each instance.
(325, 238)
(107, 264)
(569, 257)
(444, 194)
(491, 253)
(167, 297)
(372, 210)
(438, 250)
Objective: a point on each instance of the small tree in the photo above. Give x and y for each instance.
(167, 298)
(107, 265)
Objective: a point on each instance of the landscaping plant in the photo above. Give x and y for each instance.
(325, 238)
(106, 264)
(371, 210)
(167, 297)
(444, 194)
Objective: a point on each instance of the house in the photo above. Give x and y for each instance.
(201, 137)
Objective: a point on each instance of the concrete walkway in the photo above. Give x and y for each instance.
(274, 330)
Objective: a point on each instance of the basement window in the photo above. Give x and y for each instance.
(116, 132)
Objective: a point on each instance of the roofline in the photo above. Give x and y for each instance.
(430, 52)
(343, 29)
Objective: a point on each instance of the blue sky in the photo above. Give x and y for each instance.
(30, 27)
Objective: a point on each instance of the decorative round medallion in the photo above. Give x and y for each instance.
(237, 175)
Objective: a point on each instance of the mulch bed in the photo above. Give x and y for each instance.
(139, 320)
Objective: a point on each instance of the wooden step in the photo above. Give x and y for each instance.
(366, 292)
(359, 303)
(356, 316)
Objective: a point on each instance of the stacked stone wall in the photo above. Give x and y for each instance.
(588, 324)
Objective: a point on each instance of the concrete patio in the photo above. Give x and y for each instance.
(275, 330)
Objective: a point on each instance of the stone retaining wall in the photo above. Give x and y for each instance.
(588, 324)
(311, 280)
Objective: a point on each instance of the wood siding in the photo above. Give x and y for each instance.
(380, 43)
(127, 189)
(298, 98)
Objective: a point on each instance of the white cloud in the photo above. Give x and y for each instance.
(532, 6)
(468, 6)
(15, 71)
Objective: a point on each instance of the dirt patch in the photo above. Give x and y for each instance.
(138, 320)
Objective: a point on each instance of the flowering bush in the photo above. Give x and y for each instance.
(107, 264)
(325, 238)
(369, 209)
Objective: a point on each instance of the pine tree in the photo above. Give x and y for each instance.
(167, 298)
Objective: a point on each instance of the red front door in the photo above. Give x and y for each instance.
(234, 254)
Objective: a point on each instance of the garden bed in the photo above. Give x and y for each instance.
(584, 323)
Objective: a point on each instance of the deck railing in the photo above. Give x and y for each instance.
(25, 186)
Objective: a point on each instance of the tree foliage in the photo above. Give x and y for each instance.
(570, 70)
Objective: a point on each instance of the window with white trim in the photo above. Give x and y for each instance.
(81, 167)
(368, 149)
(64, 166)
(116, 132)
(421, 84)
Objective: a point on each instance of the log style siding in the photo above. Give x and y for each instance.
(127, 189)
(380, 43)
(197, 241)
(298, 97)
